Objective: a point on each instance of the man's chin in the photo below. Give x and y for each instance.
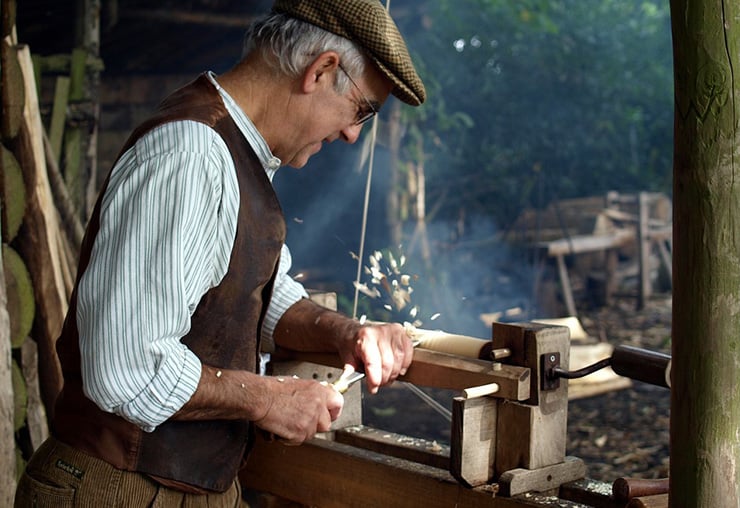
(297, 164)
(302, 157)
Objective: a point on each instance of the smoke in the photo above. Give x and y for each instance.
(471, 271)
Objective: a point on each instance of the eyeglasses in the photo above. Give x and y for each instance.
(363, 115)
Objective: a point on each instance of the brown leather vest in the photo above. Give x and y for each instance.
(225, 327)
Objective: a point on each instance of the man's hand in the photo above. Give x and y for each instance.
(294, 409)
(299, 408)
(383, 351)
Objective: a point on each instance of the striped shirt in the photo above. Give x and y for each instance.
(167, 229)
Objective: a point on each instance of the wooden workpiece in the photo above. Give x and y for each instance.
(441, 370)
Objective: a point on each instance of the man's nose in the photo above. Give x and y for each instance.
(352, 133)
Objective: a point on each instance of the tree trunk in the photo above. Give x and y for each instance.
(705, 400)
(394, 215)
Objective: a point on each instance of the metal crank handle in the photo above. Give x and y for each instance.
(628, 361)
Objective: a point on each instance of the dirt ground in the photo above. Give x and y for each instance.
(619, 433)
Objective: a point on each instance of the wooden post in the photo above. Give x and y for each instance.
(643, 242)
(705, 401)
(531, 435)
(570, 303)
(473, 440)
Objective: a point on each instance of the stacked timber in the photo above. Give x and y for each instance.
(38, 260)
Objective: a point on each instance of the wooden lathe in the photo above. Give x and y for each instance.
(507, 441)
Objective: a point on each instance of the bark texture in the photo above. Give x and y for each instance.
(705, 401)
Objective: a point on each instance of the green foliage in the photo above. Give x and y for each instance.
(536, 100)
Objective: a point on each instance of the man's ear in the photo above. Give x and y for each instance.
(320, 72)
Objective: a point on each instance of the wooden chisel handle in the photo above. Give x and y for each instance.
(647, 366)
(625, 489)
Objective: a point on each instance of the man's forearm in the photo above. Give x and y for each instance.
(307, 326)
(227, 395)
(294, 409)
(235, 394)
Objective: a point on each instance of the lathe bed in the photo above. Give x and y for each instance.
(507, 440)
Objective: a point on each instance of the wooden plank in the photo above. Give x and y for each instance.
(440, 370)
(75, 170)
(40, 243)
(59, 116)
(473, 440)
(414, 449)
(519, 481)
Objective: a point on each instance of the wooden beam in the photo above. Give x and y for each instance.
(334, 475)
(188, 17)
(588, 243)
(519, 481)
(40, 243)
(414, 449)
(644, 244)
(473, 440)
(441, 370)
(565, 285)
(59, 116)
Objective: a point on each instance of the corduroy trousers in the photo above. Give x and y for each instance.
(59, 476)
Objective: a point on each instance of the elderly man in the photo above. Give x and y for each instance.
(183, 273)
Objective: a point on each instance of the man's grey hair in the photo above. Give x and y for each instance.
(289, 45)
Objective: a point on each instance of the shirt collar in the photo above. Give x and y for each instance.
(269, 162)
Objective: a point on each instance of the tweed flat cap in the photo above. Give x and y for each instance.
(368, 24)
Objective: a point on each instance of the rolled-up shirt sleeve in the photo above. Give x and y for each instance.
(165, 238)
(286, 292)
